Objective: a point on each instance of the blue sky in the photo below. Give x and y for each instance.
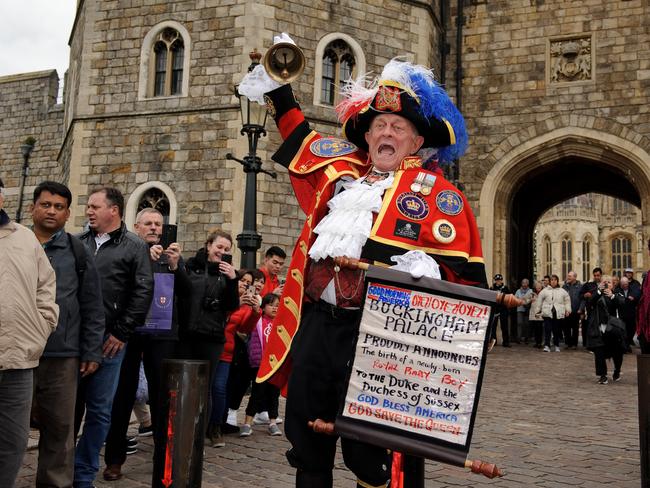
(35, 35)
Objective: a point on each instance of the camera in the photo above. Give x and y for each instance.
(210, 303)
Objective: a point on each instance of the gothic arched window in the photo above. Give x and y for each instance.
(168, 53)
(567, 255)
(155, 198)
(338, 65)
(338, 57)
(165, 61)
(621, 254)
(586, 258)
(548, 256)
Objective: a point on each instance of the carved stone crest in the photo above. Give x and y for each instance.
(570, 60)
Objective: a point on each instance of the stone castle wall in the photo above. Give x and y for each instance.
(28, 109)
(509, 93)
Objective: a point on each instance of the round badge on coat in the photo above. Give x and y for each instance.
(329, 147)
(412, 206)
(444, 231)
(449, 202)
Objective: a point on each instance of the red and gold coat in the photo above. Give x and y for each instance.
(436, 220)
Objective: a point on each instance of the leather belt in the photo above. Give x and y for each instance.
(337, 312)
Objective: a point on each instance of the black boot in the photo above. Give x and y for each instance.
(314, 479)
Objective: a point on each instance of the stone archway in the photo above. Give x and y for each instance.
(550, 162)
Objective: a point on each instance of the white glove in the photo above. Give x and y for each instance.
(284, 37)
(418, 264)
(256, 83)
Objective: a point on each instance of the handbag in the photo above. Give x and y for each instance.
(614, 326)
(615, 333)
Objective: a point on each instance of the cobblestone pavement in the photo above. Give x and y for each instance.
(542, 418)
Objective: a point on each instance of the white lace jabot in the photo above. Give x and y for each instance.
(346, 227)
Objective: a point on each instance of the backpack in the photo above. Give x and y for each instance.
(80, 258)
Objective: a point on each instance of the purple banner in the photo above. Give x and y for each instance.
(159, 318)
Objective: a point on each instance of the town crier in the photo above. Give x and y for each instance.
(376, 194)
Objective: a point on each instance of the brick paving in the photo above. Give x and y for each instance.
(542, 418)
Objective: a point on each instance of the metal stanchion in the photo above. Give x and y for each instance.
(179, 458)
(643, 376)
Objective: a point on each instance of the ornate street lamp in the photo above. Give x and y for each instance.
(253, 117)
(26, 150)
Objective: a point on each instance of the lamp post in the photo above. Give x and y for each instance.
(26, 150)
(253, 118)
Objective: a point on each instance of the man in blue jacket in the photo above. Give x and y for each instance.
(75, 347)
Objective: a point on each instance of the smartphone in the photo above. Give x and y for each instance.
(227, 258)
(169, 235)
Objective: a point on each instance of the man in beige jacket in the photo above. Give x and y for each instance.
(28, 315)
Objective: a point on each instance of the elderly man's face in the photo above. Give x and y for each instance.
(390, 139)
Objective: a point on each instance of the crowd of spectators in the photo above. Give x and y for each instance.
(87, 321)
(607, 316)
(90, 313)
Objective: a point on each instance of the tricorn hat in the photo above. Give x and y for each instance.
(411, 91)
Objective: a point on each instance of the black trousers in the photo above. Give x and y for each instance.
(537, 330)
(552, 326)
(240, 377)
(151, 352)
(600, 357)
(320, 352)
(502, 317)
(570, 327)
(264, 397)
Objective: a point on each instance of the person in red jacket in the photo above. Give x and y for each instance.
(273, 263)
(241, 321)
(378, 195)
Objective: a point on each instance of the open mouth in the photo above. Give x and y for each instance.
(386, 149)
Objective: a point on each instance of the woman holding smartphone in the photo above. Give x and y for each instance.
(214, 295)
(241, 321)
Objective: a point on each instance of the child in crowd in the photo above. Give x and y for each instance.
(264, 396)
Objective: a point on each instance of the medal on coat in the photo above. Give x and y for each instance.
(427, 184)
(413, 206)
(449, 202)
(416, 186)
(423, 183)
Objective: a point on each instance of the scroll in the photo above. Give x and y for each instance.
(415, 380)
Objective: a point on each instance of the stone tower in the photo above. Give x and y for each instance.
(167, 138)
